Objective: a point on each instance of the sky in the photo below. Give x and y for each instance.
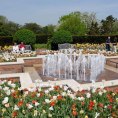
(45, 12)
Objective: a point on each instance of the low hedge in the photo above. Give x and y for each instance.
(6, 40)
(91, 39)
(43, 39)
(40, 46)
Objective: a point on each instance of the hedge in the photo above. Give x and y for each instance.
(43, 39)
(91, 39)
(6, 40)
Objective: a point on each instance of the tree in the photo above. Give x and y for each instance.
(49, 29)
(25, 35)
(11, 27)
(94, 29)
(3, 31)
(107, 25)
(115, 27)
(62, 36)
(73, 24)
(7, 28)
(3, 19)
(88, 19)
(37, 29)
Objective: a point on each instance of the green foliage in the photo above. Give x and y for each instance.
(115, 27)
(73, 23)
(107, 25)
(6, 40)
(49, 29)
(33, 27)
(40, 46)
(42, 38)
(62, 36)
(7, 28)
(25, 35)
(94, 29)
(95, 39)
(49, 44)
(3, 19)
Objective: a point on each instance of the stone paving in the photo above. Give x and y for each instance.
(30, 74)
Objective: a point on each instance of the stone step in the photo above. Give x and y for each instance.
(37, 65)
(111, 68)
(32, 72)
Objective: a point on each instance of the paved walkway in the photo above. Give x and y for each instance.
(32, 72)
(111, 68)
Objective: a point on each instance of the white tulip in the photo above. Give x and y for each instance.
(6, 88)
(0, 87)
(100, 93)
(8, 92)
(47, 100)
(5, 100)
(36, 104)
(54, 97)
(51, 109)
(38, 94)
(46, 91)
(16, 107)
(9, 82)
(88, 95)
(29, 106)
(13, 85)
(65, 88)
(63, 94)
(97, 114)
(51, 89)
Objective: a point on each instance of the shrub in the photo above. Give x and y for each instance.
(25, 35)
(6, 40)
(92, 39)
(40, 46)
(42, 38)
(62, 36)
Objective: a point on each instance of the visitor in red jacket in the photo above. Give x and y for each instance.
(22, 47)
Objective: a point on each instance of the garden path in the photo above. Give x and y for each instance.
(32, 72)
(111, 68)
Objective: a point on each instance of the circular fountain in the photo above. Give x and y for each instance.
(67, 64)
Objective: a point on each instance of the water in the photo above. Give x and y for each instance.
(67, 64)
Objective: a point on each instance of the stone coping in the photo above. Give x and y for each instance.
(25, 78)
(21, 60)
(26, 82)
(109, 57)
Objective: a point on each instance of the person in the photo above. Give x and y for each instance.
(108, 44)
(22, 47)
(15, 48)
(115, 44)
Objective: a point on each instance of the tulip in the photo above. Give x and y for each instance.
(5, 100)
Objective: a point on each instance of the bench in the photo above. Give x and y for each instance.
(28, 48)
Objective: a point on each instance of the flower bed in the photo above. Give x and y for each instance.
(56, 102)
(12, 57)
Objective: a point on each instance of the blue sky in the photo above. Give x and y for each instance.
(46, 12)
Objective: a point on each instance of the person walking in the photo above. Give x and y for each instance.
(108, 44)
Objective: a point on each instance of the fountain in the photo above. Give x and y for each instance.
(67, 64)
